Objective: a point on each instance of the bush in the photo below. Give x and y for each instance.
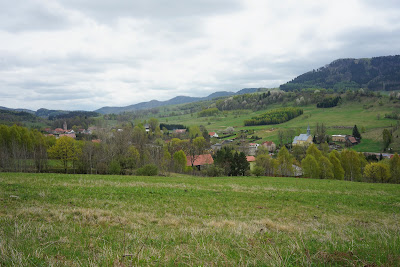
(114, 168)
(258, 171)
(213, 171)
(147, 170)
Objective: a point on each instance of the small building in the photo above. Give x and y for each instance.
(339, 138)
(351, 141)
(252, 161)
(213, 134)
(180, 131)
(71, 135)
(227, 142)
(303, 139)
(269, 145)
(216, 146)
(59, 130)
(200, 161)
(252, 149)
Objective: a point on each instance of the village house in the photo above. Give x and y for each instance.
(213, 134)
(269, 145)
(216, 146)
(252, 149)
(252, 161)
(339, 138)
(351, 141)
(200, 161)
(303, 139)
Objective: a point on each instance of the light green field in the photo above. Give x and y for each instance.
(89, 220)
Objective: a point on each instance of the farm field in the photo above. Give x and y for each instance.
(84, 220)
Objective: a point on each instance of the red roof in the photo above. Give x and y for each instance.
(59, 130)
(268, 143)
(211, 133)
(72, 135)
(250, 158)
(352, 139)
(200, 160)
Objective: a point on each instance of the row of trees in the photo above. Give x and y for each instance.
(347, 165)
(22, 149)
(274, 116)
(119, 152)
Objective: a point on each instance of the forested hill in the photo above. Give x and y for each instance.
(378, 73)
(174, 101)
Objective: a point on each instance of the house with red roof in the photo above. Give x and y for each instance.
(252, 161)
(59, 130)
(71, 135)
(351, 141)
(269, 145)
(213, 134)
(200, 161)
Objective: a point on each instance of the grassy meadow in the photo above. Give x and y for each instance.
(89, 220)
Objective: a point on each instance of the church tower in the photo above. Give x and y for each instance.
(65, 126)
(308, 129)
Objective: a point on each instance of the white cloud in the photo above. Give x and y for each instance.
(87, 54)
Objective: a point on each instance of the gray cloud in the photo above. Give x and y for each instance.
(28, 15)
(104, 10)
(88, 54)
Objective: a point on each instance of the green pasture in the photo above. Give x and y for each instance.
(92, 220)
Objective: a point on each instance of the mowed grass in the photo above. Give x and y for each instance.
(89, 220)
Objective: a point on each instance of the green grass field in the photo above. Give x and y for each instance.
(89, 220)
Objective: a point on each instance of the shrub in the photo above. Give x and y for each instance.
(214, 171)
(114, 168)
(147, 170)
(258, 171)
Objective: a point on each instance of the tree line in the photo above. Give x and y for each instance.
(346, 165)
(274, 116)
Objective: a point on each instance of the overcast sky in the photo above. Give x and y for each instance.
(74, 54)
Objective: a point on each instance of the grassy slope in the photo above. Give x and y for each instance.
(348, 114)
(104, 220)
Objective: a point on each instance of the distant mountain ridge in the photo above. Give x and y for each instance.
(377, 73)
(18, 109)
(173, 101)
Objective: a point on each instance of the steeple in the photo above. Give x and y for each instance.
(308, 129)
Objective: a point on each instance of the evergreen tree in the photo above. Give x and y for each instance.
(387, 138)
(356, 133)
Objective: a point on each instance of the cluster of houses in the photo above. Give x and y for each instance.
(60, 132)
(251, 149)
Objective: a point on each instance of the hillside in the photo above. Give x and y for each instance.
(173, 101)
(376, 74)
(18, 110)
